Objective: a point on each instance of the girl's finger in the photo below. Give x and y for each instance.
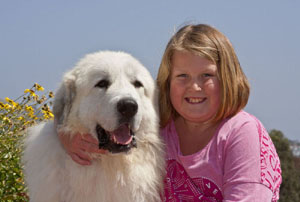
(81, 159)
(90, 138)
(88, 147)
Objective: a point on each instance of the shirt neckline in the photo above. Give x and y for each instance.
(191, 156)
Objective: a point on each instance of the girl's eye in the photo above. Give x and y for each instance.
(207, 75)
(182, 75)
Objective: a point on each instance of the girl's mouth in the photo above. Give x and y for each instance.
(194, 100)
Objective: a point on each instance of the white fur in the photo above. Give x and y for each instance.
(52, 176)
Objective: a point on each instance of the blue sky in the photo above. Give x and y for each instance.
(40, 40)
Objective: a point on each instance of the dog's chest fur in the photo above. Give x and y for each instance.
(111, 178)
(52, 175)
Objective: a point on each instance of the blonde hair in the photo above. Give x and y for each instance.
(205, 41)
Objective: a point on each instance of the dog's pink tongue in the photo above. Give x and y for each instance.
(122, 135)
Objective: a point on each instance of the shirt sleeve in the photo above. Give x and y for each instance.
(242, 166)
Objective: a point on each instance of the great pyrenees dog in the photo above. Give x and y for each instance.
(111, 96)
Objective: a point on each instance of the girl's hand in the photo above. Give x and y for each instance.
(78, 147)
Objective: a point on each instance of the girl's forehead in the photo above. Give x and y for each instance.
(195, 63)
(189, 57)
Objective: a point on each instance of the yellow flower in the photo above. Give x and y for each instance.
(41, 100)
(2, 106)
(26, 123)
(8, 100)
(38, 87)
(31, 92)
(14, 104)
(47, 114)
(27, 91)
(5, 119)
(51, 115)
(20, 118)
(51, 95)
(36, 97)
(19, 107)
(7, 106)
(29, 108)
(31, 115)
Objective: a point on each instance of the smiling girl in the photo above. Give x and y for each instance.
(216, 151)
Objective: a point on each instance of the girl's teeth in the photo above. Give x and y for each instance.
(195, 100)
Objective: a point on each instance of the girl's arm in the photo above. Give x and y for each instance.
(252, 167)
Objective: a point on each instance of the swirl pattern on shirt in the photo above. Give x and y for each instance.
(180, 187)
(270, 163)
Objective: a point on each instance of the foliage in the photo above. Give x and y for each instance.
(15, 116)
(297, 163)
(289, 189)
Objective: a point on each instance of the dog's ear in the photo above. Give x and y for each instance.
(64, 98)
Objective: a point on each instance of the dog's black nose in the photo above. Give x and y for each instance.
(127, 107)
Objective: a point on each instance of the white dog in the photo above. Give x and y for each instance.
(111, 96)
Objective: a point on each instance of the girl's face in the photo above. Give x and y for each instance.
(194, 87)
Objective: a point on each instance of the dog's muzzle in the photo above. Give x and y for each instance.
(122, 139)
(119, 140)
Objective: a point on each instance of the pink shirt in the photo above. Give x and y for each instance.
(239, 163)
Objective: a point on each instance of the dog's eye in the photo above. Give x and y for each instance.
(102, 84)
(137, 84)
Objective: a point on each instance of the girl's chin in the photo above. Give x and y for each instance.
(197, 118)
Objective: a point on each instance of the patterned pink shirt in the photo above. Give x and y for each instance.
(240, 163)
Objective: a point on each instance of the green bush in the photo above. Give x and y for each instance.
(290, 186)
(15, 116)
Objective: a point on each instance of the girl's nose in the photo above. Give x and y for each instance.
(196, 86)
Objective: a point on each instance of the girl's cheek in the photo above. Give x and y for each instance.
(211, 84)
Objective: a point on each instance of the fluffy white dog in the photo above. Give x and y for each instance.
(111, 96)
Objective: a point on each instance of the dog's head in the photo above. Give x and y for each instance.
(109, 95)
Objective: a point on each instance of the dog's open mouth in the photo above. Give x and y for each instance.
(120, 140)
